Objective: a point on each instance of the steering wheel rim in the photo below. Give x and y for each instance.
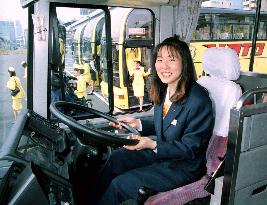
(88, 134)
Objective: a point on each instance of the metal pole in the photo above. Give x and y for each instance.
(254, 39)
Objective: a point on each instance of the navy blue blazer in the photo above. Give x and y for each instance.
(183, 135)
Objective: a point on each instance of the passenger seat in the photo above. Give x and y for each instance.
(223, 67)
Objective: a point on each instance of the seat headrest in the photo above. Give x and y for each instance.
(221, 63)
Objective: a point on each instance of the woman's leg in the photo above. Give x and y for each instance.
(16, 106)
(15, 114)
(158, 177)
(120, 162)
(141, 100)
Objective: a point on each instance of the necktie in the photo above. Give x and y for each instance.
(165, 108)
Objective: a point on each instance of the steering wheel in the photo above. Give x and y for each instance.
(92, 134)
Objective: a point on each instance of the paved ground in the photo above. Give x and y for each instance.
(6, 113)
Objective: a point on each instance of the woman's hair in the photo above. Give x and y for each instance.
(24, 64)
(188, 75)
(12, 73)
(80, 70)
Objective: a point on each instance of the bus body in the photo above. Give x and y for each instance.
(233, 29)
(129, 42)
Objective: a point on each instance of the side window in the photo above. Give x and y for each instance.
(203, 29)
(79, 79)
(115, 61)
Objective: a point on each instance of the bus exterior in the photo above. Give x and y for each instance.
(132, 38)
(233, 29)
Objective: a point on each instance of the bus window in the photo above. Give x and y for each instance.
(140, 25)
(115, 61)
(240, 31)
(262, 30)
(203, 29)
(132, 38)
(80, 76)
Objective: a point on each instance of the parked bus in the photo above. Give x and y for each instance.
(132, 39)
(216, 28)
(230, 28)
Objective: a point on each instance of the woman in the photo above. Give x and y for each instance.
(138, 82)
(12, 83)
(24, 66)
(80, 91)
(183, 131)
(93, 72)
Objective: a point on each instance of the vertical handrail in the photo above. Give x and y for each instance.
(255, 33)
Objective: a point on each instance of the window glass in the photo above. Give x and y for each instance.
(139, 24)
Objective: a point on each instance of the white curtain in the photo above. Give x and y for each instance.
(186, 14)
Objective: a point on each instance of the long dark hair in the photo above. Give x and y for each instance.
(188, 74)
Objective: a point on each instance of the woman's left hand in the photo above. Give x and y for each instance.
(144, 143)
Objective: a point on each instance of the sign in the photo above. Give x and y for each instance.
(137, 31)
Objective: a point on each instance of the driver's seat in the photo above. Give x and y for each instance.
(222, 66)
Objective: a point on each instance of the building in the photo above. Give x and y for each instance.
(230, 4)
(252, 4)
(18, 29)
(85, 11)
(7, 30)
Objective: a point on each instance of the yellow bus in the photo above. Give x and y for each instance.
(132, 39)
(215, 28)
(233, 29)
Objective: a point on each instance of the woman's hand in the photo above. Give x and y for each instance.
(144, 143)
(128, 120)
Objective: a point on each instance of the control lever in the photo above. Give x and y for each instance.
(143, 194)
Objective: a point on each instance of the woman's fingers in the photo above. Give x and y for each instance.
(117, 125)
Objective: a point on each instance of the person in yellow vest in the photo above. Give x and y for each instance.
(138, 84)
(24, 65)
(80, 91)
(86, 69)
(12, 83)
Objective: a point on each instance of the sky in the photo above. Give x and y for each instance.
(11, 10)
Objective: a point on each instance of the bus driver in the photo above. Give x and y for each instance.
(183, 123)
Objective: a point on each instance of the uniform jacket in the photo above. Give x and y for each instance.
(12, 83)
(183, 135)
(81, 87)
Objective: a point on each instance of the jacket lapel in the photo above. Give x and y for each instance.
(158, 119)
(174, 110)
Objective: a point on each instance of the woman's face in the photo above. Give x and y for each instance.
(168, 66)
(76, 73)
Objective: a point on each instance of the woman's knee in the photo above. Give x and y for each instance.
(125, 187)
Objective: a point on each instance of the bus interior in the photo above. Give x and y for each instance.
(59, 144)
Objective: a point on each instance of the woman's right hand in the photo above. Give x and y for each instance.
(133, 122)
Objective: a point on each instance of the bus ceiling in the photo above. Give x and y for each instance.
(130, 3)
